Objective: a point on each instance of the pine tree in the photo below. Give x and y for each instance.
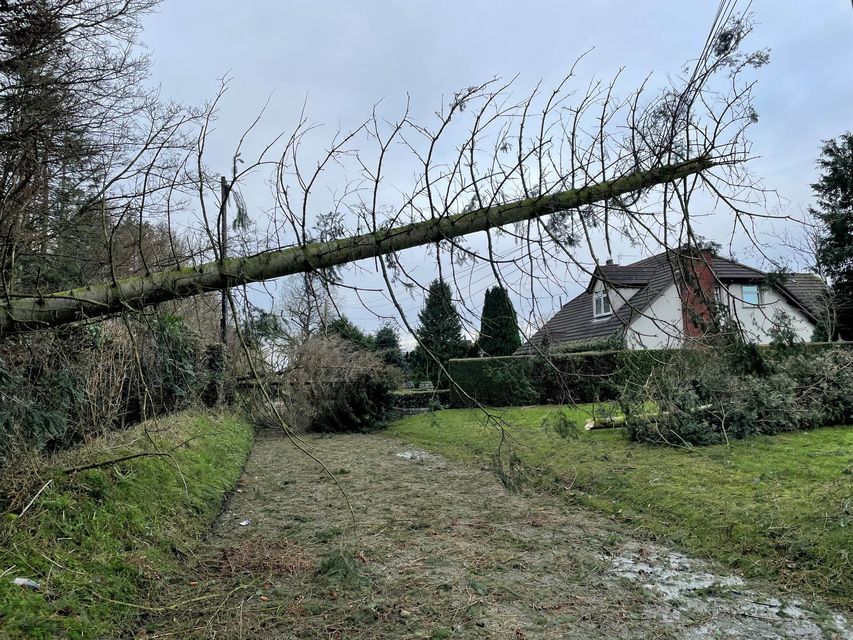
(346, 329)
(387, 343)
(834, 209)
(440, 334)
(43, 148)
(499, 335)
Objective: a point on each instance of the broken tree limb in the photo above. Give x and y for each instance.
(50, 310)
(614, 422)
(604, 423)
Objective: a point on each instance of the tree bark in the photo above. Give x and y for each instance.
(50, 310)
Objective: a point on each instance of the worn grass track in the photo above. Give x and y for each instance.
(779, 507)
(440, 549)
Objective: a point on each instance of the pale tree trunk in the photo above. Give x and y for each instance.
(32, 313)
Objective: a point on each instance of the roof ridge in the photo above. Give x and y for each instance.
(740, 264)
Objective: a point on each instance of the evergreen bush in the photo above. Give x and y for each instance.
(781, 390)
(440, 334)
(499, 334)
(553, 379)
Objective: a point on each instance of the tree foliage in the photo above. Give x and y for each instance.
(387, 344)
(718, 399)
(834, 191)
(74, 108)
(499, 334)
(343, 327)
(330, 385)
(439, 334)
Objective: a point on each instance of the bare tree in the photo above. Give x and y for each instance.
(542, 172)
(538, 180)
(86, 149)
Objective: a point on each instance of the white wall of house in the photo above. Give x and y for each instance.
(618, 297)
(660, 326)
(757, 321)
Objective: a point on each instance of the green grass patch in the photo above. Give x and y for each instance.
(778, 506)
(342, 567)
(100, 540)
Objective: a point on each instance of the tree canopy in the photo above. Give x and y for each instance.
(834, 191)
(387, 343)
(439, 334)
(499, 334)
(345, 328)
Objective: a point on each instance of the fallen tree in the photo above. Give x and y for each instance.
(54, 309)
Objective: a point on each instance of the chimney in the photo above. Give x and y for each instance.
(698, 288)
(609, 261)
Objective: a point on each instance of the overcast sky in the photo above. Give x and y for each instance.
(343, 57)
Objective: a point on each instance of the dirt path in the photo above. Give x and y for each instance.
(442, 550)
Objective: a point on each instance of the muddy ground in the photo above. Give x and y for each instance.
(438, 549)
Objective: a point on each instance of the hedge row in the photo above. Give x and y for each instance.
(563, 378)
(420, 398)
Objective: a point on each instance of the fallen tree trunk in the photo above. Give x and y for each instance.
(615, 422)
(49, 310)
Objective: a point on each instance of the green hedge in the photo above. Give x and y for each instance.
(556, 379)
(419, 398)
(564, 377)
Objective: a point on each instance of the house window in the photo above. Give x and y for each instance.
(751, 295)
(601, 304)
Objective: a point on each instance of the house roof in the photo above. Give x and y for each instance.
(808, 288)
(575, 321)
(624, 275)
(652, 276)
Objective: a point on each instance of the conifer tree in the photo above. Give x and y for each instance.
(440, 334)
(387, 343)
(499, 335)
(348, 330)
(834, 191)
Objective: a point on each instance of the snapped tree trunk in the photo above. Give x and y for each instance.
(50, 310)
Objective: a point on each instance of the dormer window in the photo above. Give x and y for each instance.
(751, 295)
(601, 304)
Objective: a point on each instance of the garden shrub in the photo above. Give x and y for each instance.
(420, 398)
(331, 385)
(171, 366)
(38, 408)
(775, 391)
(511, 383)
(589, 345)
(61, 387)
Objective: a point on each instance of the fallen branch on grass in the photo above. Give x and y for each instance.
(615, 422)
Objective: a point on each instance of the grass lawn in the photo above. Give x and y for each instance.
(99, 541)
(775, 506)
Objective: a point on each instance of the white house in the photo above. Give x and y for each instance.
(669, 299)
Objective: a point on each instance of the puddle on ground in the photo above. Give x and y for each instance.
(416, 455)
(712, 605)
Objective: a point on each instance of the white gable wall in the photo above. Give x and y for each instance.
(660, 326)
(757, 321)
(618, 295)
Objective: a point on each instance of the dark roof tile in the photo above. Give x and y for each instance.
(810, 289)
